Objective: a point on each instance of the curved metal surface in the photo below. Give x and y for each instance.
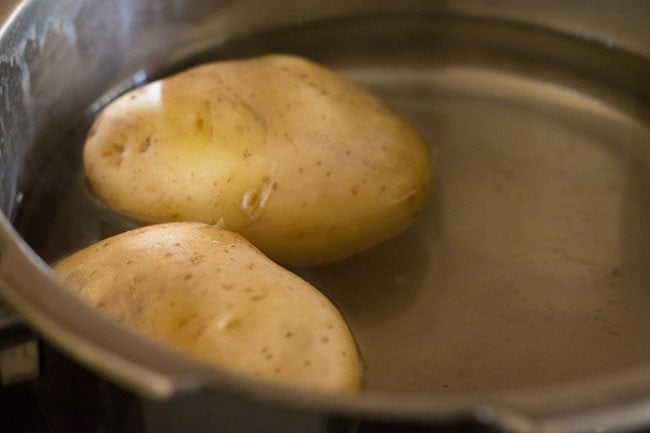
(58, 58)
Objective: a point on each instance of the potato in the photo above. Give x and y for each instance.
(210, 293)
(306, 165)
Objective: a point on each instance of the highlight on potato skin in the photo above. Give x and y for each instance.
(211, 294)
(305, 164)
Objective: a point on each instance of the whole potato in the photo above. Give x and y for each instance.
(210, 293)
(305, 164)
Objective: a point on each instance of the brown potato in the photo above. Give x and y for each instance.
(210, 293)
(306, 165)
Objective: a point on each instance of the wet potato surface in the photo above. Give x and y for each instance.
(305, 164)
(210, 293)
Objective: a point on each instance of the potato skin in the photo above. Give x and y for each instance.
(305, 164)
(211, 294)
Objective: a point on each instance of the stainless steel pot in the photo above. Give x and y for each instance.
(518, 301)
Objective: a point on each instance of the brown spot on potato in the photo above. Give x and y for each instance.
(197, 258)
(199, 125)
(186, 319)
(288, 334)
(114, 153)
(145, 145)
(325, 340)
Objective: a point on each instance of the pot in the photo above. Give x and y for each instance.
(517, 301)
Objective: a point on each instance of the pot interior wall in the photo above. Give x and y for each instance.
(528, 267)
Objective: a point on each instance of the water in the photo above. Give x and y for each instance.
(530, 264)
